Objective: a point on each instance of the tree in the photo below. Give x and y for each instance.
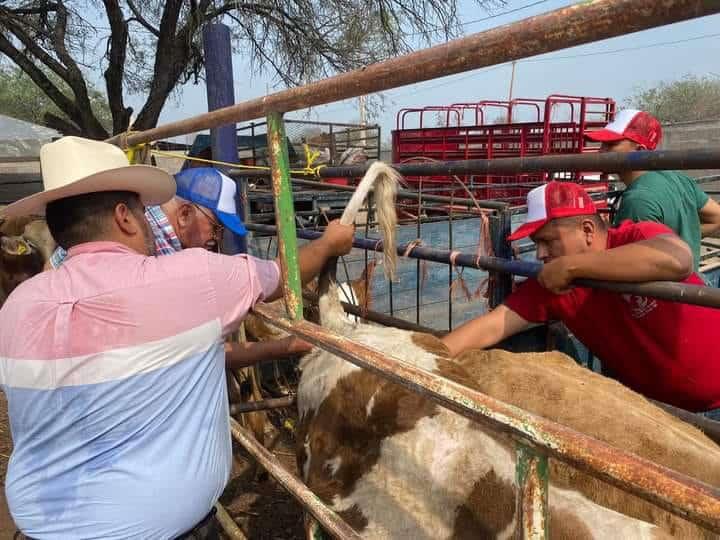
(152, 47)
(688, 99)
(21, 98)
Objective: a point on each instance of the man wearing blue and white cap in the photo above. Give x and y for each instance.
(212, 208)
(203, 206)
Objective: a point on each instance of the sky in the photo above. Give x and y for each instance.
(613, 68)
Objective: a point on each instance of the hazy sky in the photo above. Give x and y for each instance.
(610, 68)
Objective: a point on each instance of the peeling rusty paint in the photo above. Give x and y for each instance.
(532, 503)
(329, 519)
(670, 490)
(552, 31)
(285, 216)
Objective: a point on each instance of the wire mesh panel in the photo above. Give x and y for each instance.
(428, 293)
(335, 143)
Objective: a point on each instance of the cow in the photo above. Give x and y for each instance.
(395, 464)
(25, 247)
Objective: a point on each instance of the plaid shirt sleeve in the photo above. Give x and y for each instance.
(57, 257)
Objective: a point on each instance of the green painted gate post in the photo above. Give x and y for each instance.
(284, 215)
(531, 477)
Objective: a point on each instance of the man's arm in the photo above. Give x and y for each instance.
(240, 355)
(336, 241)
(485, 331)
(709, 218)
(661, 258)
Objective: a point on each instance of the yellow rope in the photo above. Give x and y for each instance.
(310, 157)
(132, 151)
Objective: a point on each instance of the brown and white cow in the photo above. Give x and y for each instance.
(396, 465)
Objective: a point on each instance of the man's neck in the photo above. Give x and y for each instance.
(118, 239)
(629, 177)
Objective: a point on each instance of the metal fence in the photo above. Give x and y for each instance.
(539, 438)
(331, 140)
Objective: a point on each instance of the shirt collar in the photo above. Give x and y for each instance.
(102, 246)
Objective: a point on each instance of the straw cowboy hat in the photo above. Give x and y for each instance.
(75, 166)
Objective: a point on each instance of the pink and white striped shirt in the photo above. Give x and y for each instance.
(113, 366)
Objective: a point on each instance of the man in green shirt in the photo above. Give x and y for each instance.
(667, 197)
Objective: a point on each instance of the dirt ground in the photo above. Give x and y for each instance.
(7, 526)
(260, 507)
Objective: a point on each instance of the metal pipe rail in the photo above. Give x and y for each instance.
(566, 27)
(672, 491)
(703, 158)
(402, 193)
(664, 290)
(329, 519)
(262, 405)
(374, 316)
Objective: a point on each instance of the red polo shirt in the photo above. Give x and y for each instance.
(664, 350)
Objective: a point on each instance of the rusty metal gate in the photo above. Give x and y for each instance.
(537, 438)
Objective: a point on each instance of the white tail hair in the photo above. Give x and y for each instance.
(385, 181)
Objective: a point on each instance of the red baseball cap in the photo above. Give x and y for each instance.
(551, 201)
(631, 124)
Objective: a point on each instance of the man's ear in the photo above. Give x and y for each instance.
(125, 220)
(185, 215)
(590, 229)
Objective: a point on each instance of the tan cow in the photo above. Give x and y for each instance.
(25, 247)
(396, 465)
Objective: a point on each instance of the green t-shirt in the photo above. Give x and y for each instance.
(667, 197)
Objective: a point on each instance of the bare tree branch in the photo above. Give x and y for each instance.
(62, 125)
(31, 45)
(139, 18)
(294, 40)
(75, 78)
(114, 74)
(45, 8)
(39, 78)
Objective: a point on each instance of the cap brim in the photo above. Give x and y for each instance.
(604, 135)
(232, 222)
(526, 229)
(153, 185)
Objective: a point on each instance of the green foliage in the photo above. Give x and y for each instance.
(688, 99)
(22, 99)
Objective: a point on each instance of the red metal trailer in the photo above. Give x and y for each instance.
(495, 129)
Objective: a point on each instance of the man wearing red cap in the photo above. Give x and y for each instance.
(664, 350)
(667, 197)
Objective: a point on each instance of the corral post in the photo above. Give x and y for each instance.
(285, 215)
(531, 476)
(500, 228)
(221, 93)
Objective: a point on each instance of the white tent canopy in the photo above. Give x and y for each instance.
(22, 139)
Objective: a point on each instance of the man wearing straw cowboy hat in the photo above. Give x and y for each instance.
(664, 350)
(202, 208)
(113, 364)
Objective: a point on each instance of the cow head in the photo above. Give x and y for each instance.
(20, 259)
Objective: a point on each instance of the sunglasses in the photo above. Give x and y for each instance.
(214, 223)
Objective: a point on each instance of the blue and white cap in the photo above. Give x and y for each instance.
(208, 187)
